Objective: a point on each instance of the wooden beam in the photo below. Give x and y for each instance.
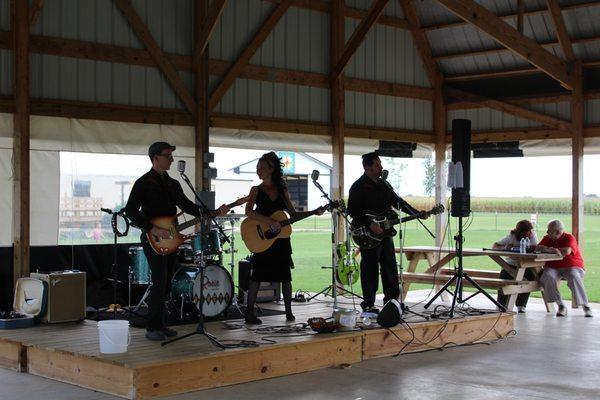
(357, 38)
(439, 127)
(143, 33)
(421, 42)
(211, 16)
(561, 29)
(516, 100)
(204, 21)
(511, 15)
(520, 15)
(507, 73)
(259, 37)
(349, 12)
(21, 136)
(126, 55)
(34, 12)
(502, 50)
(503, 33)
(510, 108)
(577, 118)
(177, 117)
(338, 114)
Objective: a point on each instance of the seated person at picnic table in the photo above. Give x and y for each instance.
(571, 268)
(524, 229)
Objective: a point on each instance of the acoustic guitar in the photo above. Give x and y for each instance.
(258, 236)
(366, 239)
(170, 223)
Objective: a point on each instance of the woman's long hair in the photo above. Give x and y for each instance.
(275, 163)
(522, 227)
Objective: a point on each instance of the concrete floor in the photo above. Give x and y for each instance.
(549, 358)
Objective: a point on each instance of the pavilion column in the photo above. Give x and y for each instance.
(202, 123)
(439, 126)
(577, 115)
(21, 134)
(337, 106)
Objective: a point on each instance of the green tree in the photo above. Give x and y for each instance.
(429, 180)
(395, 168)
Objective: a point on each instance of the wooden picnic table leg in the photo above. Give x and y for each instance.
(512, 299)
(437, 262)
(412, 266)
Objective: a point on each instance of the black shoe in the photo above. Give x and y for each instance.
(155, 335)
(252, 320)
(373, 310)
(289, 317)
(168, 332)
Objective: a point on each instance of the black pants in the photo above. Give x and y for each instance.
(521, 298)
(371, 260)
(162, 268)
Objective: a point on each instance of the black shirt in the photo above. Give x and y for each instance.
(155, 195)
(368, 195)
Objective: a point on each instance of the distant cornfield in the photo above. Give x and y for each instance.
(517, 205)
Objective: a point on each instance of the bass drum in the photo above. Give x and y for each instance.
(217, 289)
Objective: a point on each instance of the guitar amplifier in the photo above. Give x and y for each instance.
(66, 296)
(269, 291)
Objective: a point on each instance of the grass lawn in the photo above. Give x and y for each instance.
(311, 243)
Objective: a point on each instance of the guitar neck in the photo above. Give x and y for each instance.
(290, 221)
(197, 220)
(397, 221)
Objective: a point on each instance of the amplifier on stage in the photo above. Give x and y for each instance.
(269, 291)
(66, 296)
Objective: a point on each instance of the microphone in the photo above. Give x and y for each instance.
(384, 174)
(315, 175)
(181, 166)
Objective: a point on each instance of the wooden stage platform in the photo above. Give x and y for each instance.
(70, 352)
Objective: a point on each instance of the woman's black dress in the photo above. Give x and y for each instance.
(274, 264)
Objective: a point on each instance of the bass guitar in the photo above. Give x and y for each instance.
(364, 237)
(259, 237)
(170, 223)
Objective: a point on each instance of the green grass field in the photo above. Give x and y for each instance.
(311, 243)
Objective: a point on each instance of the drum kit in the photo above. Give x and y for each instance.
(204, 250)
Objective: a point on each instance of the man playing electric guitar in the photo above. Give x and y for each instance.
(156, 194)
(372, 193)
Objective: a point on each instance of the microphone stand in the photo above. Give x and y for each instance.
(200, 327)
(334, 215)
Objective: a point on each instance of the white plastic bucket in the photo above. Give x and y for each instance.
(114, 336)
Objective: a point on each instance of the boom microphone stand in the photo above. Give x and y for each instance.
(200, 327)
(335, 213)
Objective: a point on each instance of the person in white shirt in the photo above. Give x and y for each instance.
(524, 229)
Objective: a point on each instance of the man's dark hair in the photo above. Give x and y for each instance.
(367, 159)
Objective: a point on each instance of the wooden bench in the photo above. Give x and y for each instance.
(482, 278)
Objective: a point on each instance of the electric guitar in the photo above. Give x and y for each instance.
(169, 222)
(348, 269)
(366, 239)
(259, 237)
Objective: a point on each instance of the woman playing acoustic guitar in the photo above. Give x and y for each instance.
(273, 264)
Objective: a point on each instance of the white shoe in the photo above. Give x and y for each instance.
(562, 311)
(587, 311)
(521, 309)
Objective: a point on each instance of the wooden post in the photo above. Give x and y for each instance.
(202, 126)
(20, 26)
(337, 107)
(577, 154)
(439, 127)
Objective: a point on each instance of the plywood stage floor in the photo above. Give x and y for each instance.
(70, 352)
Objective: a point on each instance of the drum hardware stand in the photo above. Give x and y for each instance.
(335, 213)
(143, 299)
(200, 327)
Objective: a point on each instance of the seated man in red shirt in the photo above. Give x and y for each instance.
(570, 268)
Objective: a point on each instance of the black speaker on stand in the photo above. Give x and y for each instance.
(461, 207)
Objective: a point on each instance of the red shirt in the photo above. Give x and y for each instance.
(573, 260)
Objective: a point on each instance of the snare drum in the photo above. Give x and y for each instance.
(217, 289)
(208, 243)
(139, 266)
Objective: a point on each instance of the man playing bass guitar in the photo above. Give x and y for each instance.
(370, 192)
(156, 194)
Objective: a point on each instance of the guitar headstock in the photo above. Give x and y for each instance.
(437, 209)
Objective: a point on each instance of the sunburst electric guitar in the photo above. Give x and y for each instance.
(169, 222)
(259, 237)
